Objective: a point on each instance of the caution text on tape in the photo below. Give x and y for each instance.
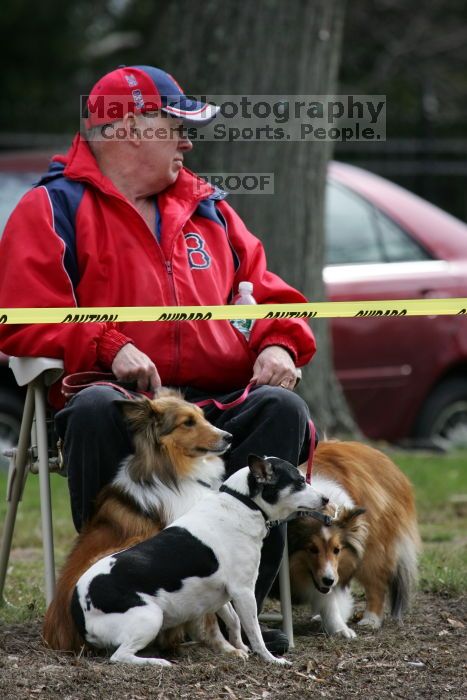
(335, 309)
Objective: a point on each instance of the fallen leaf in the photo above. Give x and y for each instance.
(455, 623)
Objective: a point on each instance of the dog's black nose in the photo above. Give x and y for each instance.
(228, 437)
(327, 581)
(324, 500)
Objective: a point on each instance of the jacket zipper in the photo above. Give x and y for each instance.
(170, 275)
(168, 267)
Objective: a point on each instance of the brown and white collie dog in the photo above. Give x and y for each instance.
(373, 538)
(175, 463)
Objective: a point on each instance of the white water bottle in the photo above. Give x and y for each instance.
(244, 296)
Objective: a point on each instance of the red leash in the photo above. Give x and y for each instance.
(241, 399)
(231, 404)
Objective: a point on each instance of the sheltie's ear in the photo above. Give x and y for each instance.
(347, 515)
(355, 529)
(137, 412)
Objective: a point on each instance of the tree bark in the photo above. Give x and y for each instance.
(270, 47)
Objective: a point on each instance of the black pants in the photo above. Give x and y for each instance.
(271, 421)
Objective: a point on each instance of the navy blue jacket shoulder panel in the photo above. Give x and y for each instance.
(208, 209)
(65, 198)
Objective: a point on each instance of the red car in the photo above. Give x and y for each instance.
(403, 377)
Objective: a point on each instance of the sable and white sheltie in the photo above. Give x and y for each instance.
(175, 463)
(373, 537)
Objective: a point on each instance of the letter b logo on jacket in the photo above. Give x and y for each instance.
(198, 257)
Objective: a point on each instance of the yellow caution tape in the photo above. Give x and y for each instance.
(334, 309)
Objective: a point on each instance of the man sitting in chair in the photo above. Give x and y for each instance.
(119, 221)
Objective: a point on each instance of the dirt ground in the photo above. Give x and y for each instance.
(424, 658)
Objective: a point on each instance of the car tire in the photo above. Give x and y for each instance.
(11, 411)
(443, 417)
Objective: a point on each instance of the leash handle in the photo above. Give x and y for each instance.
(74, 383)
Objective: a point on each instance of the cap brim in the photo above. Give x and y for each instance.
(192, 112)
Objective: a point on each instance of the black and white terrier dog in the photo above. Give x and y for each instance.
(202, 561)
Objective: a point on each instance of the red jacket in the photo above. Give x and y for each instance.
(75, 240)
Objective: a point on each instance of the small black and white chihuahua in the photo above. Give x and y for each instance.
(202, 562)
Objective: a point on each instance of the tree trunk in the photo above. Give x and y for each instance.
(270, 47)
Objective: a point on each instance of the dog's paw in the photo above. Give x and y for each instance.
(280, 660)
(158, 662)
(240, 653)
(346, 632)
(370, 620)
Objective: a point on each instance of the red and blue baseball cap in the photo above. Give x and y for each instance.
(140, 89)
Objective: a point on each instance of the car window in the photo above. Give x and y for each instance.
(12, 188)
(358, 232)
(397, 244)
(351, 229)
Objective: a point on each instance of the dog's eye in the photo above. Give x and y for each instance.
(189, 422)
(300, 483)
(313, 549)
(336, 550)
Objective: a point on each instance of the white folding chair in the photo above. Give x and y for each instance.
(32, 455)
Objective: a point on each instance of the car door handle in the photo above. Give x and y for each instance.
(434, 294)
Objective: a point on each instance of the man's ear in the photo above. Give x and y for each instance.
(261, 469)
(132, 129)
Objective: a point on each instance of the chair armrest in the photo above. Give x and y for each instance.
(26, 369)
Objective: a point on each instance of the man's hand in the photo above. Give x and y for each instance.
(130, 364)
(274, 366)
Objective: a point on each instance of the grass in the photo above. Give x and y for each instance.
(25, 578)
(440, 483)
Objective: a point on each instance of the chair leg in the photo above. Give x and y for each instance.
(286, 600)
(15, 485)
(285, 616)
(44, 487)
